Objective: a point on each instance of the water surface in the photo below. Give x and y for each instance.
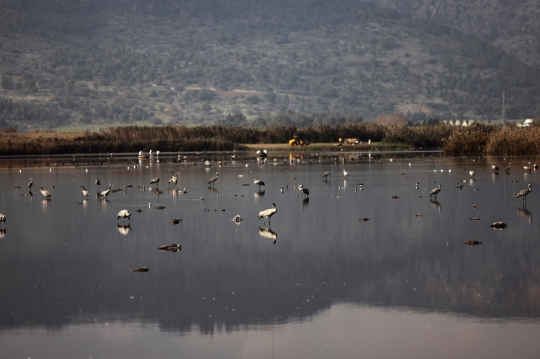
(315, 283)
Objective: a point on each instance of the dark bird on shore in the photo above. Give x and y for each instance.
(213, 179)
(435, 191)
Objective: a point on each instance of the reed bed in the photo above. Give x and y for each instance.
(469, 140)
(515, 142)
(454, 140)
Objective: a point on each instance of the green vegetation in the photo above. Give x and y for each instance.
(454, 140)
(97, 63)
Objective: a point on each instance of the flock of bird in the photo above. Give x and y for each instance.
(268, 213)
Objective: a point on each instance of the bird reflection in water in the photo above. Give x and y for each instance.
(237, 219)
(305, 202)
(213, 191)
(268, 233)
(259, 193)
(523, 212)
(124, 229)
(2, 232)
(435, 204)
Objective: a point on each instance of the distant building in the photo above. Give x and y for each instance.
(527, 123)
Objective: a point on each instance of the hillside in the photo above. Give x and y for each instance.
(514, 26)
(77, 63)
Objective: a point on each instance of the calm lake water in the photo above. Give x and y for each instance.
(317, 283)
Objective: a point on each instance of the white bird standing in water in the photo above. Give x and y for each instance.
(44, 192)
(85, 191)
(174, 179)
(345, 173)
(471, 173)
(124, 214)
(267, 213)
(106, 192)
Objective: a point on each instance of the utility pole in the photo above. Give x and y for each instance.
(503, 113)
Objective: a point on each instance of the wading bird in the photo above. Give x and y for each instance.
(213, 179)
(259, 183)
(345, 173)
(173, 179)
(2, 218)
(85, 191)
(124, 214)
(471, 173)
(106, 192)
(325, 175)
(155, 180)
(523, 193)
(44, 192)
(30, 184)
(435, 191)
(267, 213)
(305, 191)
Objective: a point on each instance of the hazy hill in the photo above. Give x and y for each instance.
(514, 25)
(65, 62)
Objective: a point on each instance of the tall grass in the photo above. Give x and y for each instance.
(455, 140)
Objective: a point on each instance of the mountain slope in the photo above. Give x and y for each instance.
(98, 63)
